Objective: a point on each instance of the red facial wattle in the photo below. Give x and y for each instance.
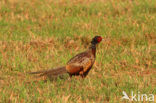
(99, 39)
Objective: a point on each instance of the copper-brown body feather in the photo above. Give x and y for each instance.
(81, 63)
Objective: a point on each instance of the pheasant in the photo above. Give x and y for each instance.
(78, 65)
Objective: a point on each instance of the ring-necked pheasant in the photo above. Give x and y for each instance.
(78, 65)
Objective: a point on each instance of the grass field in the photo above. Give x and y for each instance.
(42, 34)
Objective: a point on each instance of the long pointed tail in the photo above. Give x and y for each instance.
(51, 72)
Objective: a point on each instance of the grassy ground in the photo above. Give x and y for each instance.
(41, 34)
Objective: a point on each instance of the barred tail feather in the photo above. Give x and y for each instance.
(51, 72)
